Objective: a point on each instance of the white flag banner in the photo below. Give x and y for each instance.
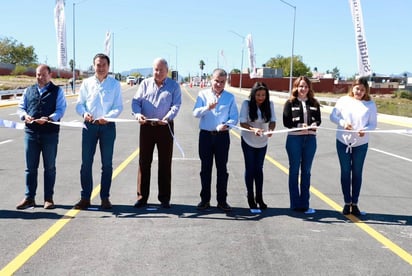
(252, 58)
(107, 43)
(364, 66)
(222, 54)
(60, 25)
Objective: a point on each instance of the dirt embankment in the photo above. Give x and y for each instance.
(20, 82)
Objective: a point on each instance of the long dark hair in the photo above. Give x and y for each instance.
(264, 107)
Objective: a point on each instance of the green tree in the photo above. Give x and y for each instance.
(71, 64)
(299, 68)
(16, 53)
(335, 73)
(202, 66)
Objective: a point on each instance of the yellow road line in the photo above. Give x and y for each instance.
(406, 256)
(403, 254)
(35, 246)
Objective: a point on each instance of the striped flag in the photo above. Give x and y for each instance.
(364, 67)
(108, 43)
(60, 25)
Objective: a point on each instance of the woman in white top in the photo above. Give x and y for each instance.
(353, 114)
(257, 115)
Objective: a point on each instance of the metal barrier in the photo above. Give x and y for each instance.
(15, 93)
(11, 94)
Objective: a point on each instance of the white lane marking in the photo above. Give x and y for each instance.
(5, 141)
(393, 155)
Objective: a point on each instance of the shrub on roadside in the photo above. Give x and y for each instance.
(19, 70)
(405, 94)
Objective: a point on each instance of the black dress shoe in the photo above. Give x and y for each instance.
(106, 204)
(262, 205)
(251, 202)
(140, 203)
(259, 201)
(165, 205)
(346, 209)
(300, 209)
(224, 207)
(203, 205)
(355, 211)
(26, 203)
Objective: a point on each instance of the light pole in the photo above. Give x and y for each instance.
(177, 75)
(293, 44)
(241, 62)
(74, 49)
(171, 44)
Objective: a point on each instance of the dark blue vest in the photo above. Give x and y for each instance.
(41, 106)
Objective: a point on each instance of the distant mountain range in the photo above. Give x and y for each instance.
(142, 71)
(149, 71)
(408, 74)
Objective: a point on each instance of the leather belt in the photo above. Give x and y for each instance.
(96, 122)
(214, 132)
(152, 123)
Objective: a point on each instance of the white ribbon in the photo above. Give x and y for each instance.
(16, 125)
(11, 124)
(399, 131)
(69, 124)
(349, 145)
(117, 120)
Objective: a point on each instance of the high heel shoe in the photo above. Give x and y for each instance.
(251, 202)
(262, 205)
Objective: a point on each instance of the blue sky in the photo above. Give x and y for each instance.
(144, 30)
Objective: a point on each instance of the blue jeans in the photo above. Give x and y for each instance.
(351, 162)
(254, 158)
(105, 135)
(301, 150)
(214, 146)
(46, 144)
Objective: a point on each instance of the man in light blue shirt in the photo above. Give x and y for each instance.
(216, 108)
(99, 98)
(40, 105)
(155, 106)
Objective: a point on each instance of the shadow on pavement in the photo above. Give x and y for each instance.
(190, 212)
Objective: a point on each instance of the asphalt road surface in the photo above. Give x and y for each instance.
(185, 241)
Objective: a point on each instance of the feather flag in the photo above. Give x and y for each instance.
(60, 25)
(222, 54)
(364, 66)
(252, 58)
(107, 43)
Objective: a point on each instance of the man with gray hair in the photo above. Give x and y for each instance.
(217, 110)
(155, 106)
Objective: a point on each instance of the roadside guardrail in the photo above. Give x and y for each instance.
(10, 94)
(16, 93)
